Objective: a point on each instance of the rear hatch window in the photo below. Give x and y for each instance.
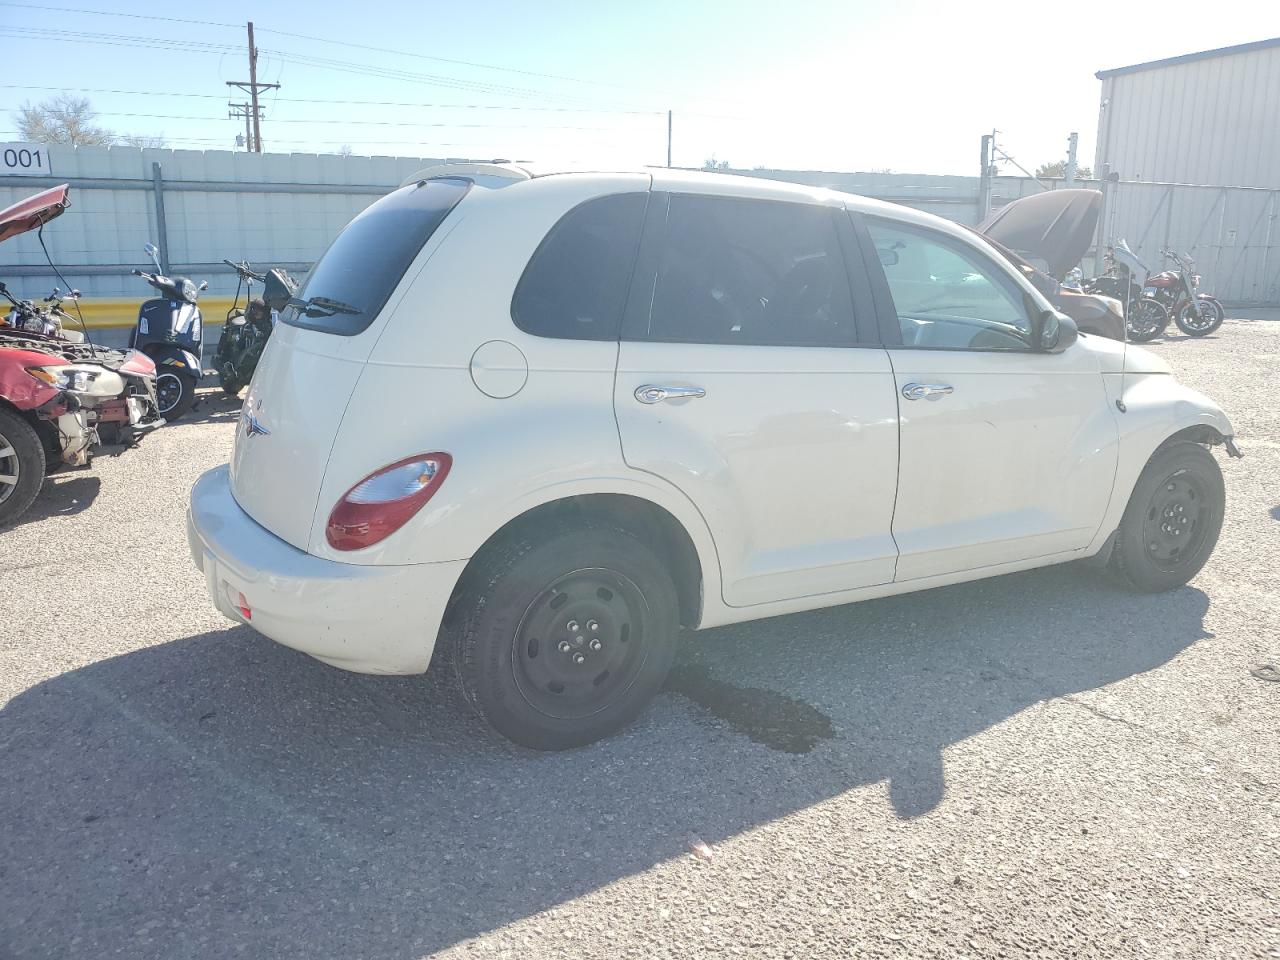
(365, 262)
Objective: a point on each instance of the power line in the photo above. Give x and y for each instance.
(342, 43)
(363, 123)
(363, 103)
(41, 8)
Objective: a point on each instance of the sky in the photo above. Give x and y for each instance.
(803, 84)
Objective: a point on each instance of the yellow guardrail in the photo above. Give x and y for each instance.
(102, 313)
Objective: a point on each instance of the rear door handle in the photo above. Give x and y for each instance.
(652, 393)
(927, 391)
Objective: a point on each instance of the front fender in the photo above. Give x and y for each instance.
(1150, 410)
(174, 359)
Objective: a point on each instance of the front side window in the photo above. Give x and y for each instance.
(946, 296)
(364, 264)
(750, 272)
(576, 283)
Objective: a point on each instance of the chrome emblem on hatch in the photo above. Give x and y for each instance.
(253, 427)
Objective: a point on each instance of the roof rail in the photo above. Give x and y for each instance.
(499, 171)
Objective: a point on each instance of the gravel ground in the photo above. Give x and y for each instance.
(1036, 765)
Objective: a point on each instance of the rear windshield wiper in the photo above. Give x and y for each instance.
(322, 307)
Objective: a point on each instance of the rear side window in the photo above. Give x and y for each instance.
(364, 264)
(576, 283)
(751, 272)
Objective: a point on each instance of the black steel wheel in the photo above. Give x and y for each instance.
(1173, 519)
(580, 643)
(1200, 317)
(175, 393)
(22, 465)
(563, 639)
(1147, 319)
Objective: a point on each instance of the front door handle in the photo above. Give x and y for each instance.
(927, 391)
(652, 393)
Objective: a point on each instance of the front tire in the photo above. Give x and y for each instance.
(564, 639)
(175, 394)
(1173, 519)
(1147, 320)
(22, 466)
(1201, 318)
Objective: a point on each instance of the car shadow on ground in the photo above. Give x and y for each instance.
(211, 406)
(218, 793)
(62, 495)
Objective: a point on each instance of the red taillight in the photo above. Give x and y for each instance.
(383, 502)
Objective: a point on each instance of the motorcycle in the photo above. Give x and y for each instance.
(63, 399)
(170, 331)
(1196, 314)
(246, 332)
(1125, 279)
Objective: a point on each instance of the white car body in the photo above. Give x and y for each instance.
(802, 479)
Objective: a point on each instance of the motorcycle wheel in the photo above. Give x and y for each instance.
(22, 466)
(1147, 320)
(175, 394)
(1201, 318)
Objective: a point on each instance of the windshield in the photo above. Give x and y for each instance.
(364, 264)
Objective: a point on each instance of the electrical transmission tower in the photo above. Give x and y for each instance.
(251, 111)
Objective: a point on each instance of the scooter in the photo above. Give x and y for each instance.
(245, 334)
(169, 330)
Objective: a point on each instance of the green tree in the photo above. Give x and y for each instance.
(1058, 169)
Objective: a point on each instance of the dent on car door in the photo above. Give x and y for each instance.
(742, 381)
(1007, 453)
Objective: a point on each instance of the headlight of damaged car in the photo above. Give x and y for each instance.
(76, 381)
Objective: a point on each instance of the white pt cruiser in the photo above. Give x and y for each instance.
(549, 418)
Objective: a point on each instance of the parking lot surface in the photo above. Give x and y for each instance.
(1036, 764)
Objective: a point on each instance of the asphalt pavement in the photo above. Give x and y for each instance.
(1033, 765)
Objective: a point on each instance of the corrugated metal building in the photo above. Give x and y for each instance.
(1206, 118)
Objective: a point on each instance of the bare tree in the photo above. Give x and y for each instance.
(713, 165)
(62, 119)
(137, 140)
(344, 150)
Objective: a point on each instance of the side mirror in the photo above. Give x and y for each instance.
(888, 258)
(204, 285)
(154, 253)
(1055, 332)
(278, 289)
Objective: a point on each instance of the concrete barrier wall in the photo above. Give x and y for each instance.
(284, 209)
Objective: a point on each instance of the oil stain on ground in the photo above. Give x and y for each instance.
(765, 716)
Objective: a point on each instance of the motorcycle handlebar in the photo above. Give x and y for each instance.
(242, 268)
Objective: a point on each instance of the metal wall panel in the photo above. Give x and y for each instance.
(1211, 120)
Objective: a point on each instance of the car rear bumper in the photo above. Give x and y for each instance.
(369, 619)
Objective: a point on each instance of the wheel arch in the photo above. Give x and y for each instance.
(650, 522)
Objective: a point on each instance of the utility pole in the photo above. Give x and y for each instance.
(251, 87)
(668, 138)
(984, 177)
(1071, 160)
(236, 110)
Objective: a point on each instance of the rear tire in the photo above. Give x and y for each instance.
(1173, 519)
(175, 393)
(22, 458)
(564, 639)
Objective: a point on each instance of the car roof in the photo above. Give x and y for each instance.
(501, 173)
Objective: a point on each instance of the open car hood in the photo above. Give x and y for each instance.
(1055, 227)
(28, 214)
